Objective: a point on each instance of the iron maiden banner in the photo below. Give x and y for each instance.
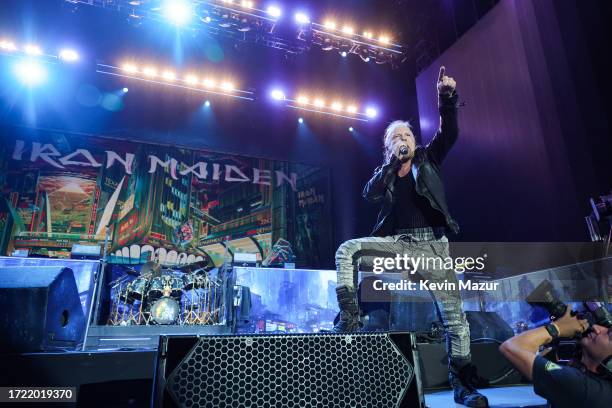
(158, 202)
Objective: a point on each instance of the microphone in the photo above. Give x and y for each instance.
(403, 150)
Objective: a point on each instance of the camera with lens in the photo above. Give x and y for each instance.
(544, 296)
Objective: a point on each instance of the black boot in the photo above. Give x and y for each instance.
(464, 379)
(348, 318)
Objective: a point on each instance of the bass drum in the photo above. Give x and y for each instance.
(165, 310)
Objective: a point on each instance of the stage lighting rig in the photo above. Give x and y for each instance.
(238, 20)
(265, 24)
(318, 103)
(171, 78)
(344, 38)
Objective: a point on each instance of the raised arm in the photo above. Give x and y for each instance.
(447, 134)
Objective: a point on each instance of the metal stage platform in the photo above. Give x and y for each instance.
(137, 337)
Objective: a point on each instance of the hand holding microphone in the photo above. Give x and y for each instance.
(403, 153)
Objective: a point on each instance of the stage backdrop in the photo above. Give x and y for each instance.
(157, 202)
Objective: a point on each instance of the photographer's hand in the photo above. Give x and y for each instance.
(570, 326)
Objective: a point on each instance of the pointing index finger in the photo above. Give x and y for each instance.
(441, 75)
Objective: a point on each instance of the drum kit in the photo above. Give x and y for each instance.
(184, 296)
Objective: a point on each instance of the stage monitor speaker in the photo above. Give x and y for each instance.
(488, 325)
(491, 365)
(39, 309)
(291, 370)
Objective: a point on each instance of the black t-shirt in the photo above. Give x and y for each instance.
(412, 210)
(569, 387)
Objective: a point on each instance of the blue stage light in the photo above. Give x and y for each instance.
(351, 129)
(277, 94)
(207, 104)
(125, 90)
(344, 54)
(371, 112)
(69, 55)
(301, 120)
(30, 72)
(177, 12)
(302, 18)
(274, 11)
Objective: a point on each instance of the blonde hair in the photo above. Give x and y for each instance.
(389, 131)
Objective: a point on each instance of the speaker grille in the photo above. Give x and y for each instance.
(318, 370)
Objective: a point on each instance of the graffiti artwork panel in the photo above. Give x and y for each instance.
(155, 202)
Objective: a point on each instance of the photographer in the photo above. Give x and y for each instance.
(583, 384)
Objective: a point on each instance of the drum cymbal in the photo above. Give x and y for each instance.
(196, 267)
(150, 267)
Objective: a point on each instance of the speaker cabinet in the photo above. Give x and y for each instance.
(39, 309)
(292, 370)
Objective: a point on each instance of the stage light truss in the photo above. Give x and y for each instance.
(192, 80)
(316, 102)
(198, 80)
(244, 20)
(31, 50)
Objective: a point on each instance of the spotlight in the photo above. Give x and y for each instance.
(209, 83)
(246, 4)
(368, 34)
(207, 104)
(319, 103)
(351, 109)
(207, 19)
(301, 120)
(68, 55)
(125, 90)
(330, 25)
(384, 39)
(274, 11)
(169, 76)
(302, 100)
(150, 71)
(337, 106)
(371, 112)
(130, 68)
(351, 129)
(6, 45)
(227, 86)
(347, 30)
(301, 18)
(177, 12)
(277, 94)
(32, 49)
(344, 54)
(30, 72)
(191, 79)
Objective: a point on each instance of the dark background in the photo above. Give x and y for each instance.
(524, 186)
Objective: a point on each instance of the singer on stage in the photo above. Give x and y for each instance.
(414, 219)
